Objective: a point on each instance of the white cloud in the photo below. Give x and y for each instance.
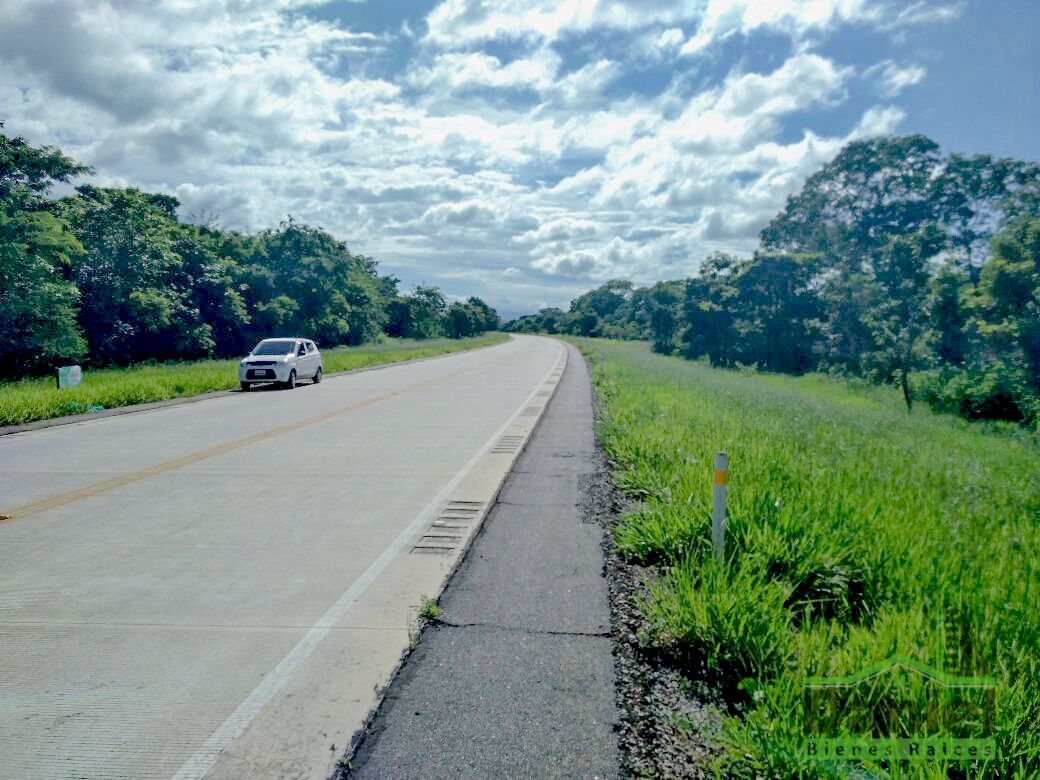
(684, 163)
(892, 78)
(562, 229)
(468, 213)
(907, 14)
(723, 18)
(670, 39)
(583, 86)
(456, 23)
(878, 120)
(463, 23)
(521, 171)
(453, 71)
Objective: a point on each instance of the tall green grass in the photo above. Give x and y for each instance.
(856, 531)
(39, 399)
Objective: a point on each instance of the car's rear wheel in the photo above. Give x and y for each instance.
(245, 386)
(290, 383)
(317, 375)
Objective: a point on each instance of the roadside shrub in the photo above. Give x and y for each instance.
(994, 391)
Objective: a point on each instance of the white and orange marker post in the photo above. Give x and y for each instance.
(718, 508)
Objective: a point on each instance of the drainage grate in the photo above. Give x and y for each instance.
(446, 532)
(531, 411)
(464, 506)
(544, 393)
(450, 524)
(507, 445)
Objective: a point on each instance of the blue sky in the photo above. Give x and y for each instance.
(521, 150)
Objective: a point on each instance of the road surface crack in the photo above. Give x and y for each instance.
(521, 629)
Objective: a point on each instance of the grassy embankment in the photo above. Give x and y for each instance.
(856, 531)
(38, 399)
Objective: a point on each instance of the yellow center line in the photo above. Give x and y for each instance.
(62, 499)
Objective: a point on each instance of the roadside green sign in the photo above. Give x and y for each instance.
(69, 376)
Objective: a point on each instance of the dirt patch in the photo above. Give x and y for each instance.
(669, 725)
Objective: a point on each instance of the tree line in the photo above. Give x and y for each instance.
(895, 263)
(112, 276)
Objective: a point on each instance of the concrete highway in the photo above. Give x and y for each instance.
(218, 588)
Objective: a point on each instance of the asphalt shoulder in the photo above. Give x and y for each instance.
(516, 676)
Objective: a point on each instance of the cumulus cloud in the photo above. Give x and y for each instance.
(466, 213)
(878, 120)
(723, 18)
(512, 149)
(462, 23)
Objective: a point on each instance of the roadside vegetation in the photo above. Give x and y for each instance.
(856, 531)
(38, 399)
(114, 277)
(896, 264)
(427, 612)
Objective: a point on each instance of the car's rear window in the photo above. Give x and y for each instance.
(274, 348)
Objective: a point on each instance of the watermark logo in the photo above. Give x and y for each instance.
(899, 710)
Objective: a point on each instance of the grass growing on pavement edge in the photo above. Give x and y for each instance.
(429, 609)
(855, 532)
(38, 399)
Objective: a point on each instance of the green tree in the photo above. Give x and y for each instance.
(38, 327)
(605, 300)
(973, 197)
(28, 172)
(137, 293)
(426, 312)
(898, 316)
(487, 317)
(948, 316)
(776, 311)
(310, 284)
(662, 303)
(846, 214)
(1008, 303)
(872, 190)
(708, 311)
(461, 320)
(398, 317)
(549, 320)
(213, 275)
(585, 323)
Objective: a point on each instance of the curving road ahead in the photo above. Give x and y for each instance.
(218, 588)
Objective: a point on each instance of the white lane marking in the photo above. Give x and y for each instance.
(199, 764)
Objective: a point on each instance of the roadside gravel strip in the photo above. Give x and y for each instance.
(516, 676)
